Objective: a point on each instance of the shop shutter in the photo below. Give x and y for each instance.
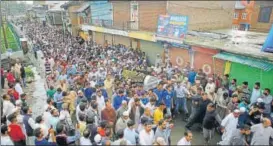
(122, 40)
(109, 39)
(179, 56)
(99, 38)
(219, 65)
(151, 49)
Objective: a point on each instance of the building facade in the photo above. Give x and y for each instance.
(262, 17)
(242, 15)
(204, 15)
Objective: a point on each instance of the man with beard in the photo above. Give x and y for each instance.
(229, 124)
(239, 136)
(123, 108)
(161, 130)
(122, 121)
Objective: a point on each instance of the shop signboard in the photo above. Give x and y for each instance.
(172, 27)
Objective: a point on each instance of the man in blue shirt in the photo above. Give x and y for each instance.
(58, 98)
(167, 99)
(88, 91)
(159, 92)
(130, 133)
(118, 99)
(191, 76)
(71, 70)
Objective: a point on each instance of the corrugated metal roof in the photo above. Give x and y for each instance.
(261, 64)
(82, 8)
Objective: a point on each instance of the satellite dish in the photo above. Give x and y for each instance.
(150, 82)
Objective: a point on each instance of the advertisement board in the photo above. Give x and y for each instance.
(172, 26)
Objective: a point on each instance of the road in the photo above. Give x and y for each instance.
(178, 132)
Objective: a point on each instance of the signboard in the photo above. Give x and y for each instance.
(172, 27)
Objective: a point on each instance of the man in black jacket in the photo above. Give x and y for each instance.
(200, 113)
(209, 122)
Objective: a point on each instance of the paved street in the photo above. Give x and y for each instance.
(198, 139)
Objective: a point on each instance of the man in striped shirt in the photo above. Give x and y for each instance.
(47, 67)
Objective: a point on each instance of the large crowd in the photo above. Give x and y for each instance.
(90, 102)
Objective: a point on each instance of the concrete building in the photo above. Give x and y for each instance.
(262, 17)
(242, 15)
(204, 15)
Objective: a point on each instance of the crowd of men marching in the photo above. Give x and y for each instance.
(90, 103)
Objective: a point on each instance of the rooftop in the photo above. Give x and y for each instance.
(233, 41)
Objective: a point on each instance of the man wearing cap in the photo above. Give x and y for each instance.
(238, 136)
(122, 121)
(123, 108)
(229, 124)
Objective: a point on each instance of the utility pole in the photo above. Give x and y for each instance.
(3, 27)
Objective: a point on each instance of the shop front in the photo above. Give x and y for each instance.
(99, 38)
(122, 40)
(151, 49)
(248, 69)
(203, 59)
(179, 56)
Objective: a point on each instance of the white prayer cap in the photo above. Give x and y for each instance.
(197, 81)
(18, 102)
(97, 138)
(242, 109)
(126, 113)
(259, 100)
(124, 102)
(236, 111)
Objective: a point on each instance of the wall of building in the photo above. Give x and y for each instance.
(204, 15)
(148, 14)
(259, 26)
(73, 19)
(101, 10)
(121, 14)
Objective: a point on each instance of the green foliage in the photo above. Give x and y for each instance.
(29, 72)
(10, 39)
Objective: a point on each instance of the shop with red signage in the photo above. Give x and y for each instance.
(179, 56)
(203, 59)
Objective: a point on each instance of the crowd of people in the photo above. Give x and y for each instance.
(91, 103)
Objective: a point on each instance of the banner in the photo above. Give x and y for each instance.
(172, 26)
(136, 77)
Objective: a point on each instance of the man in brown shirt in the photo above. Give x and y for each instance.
(108, 113)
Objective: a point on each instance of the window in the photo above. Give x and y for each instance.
(264, 15)
(235, 15)
(244, 15)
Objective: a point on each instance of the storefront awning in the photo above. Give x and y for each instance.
(261, 64)
(82, 8)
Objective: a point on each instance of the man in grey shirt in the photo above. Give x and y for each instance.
(239, 136)
(161, 131)
(262, 133)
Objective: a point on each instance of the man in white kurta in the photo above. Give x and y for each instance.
(229, 124)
